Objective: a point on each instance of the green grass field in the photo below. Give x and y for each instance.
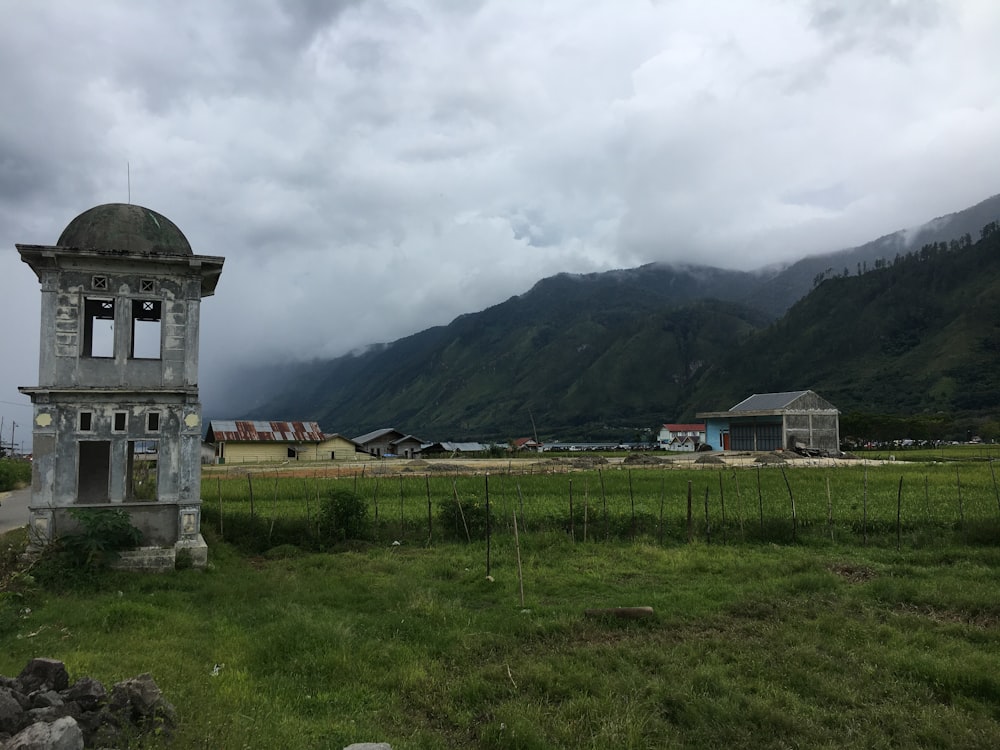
(756, 640)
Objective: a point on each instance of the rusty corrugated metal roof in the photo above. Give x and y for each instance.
(250, 431)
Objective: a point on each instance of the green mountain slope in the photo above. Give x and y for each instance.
(602, 354)
(579, 355)
(920, 335)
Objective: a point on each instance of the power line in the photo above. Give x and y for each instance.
(14, 403)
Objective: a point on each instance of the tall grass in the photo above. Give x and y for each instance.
(750, 646)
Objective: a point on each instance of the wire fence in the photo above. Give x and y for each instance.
(902, 505)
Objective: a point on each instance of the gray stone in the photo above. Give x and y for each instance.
(369, 746)
(140, 701)
(43, 674)
(46, 698)
(62, 734)
(51, 713)
(86, 691)
(11, 712)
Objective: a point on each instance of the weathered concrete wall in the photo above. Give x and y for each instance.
(62, 359)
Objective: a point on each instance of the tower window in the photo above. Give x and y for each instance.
(146, 286)
(120, 421)
(100, 283)
(153, 421)
(146, 316)
(86, 421)
(98, 328)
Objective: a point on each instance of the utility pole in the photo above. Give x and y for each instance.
(13, 425)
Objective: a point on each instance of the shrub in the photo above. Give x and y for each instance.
(342, 515)
(14, 473)
(450, 519)
(104, 533)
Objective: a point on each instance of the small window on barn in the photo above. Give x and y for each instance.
(98, 328)
(99, 283)
(146, 286)
(86, 421)
(292, 453)
(121, 420)
(146, 329)
(153, 421)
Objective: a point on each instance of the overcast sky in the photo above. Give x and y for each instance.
(370, 169)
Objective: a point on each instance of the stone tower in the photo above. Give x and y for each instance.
(117, 421)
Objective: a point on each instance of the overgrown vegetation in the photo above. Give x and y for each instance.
(14, 473)
(102, 535)
(342, 516)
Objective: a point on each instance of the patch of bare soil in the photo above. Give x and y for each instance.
(951, 617)
(581, 462)
(644, 459)
(709, 458)
(771, 459)
(853, 573)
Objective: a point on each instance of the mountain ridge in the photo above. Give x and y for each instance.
(581, 354)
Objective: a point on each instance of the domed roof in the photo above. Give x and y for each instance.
(124, 226)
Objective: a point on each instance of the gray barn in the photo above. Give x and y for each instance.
(775, 421)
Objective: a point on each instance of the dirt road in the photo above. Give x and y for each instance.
(14, 509)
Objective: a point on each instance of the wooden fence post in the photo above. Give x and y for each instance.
(663, 489)
(427, 483)
(760, 504)
(517, 546)
(604, 502)
(488, 529)
(631, 499)
(722, 500)
(250, 482)
(461, 513)
(791, 498)
(899, 510)
(222, 534)
(572, 531)
(864, 518)
(961, 509)
(829, 508)
(708, 522)
(996, 491)
(690, 521)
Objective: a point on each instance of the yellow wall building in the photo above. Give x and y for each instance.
(246, 441)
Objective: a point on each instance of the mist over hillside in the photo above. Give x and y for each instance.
(601, 354)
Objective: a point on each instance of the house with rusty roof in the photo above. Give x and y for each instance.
(790, 420)
(526, 444)
(253, 441)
